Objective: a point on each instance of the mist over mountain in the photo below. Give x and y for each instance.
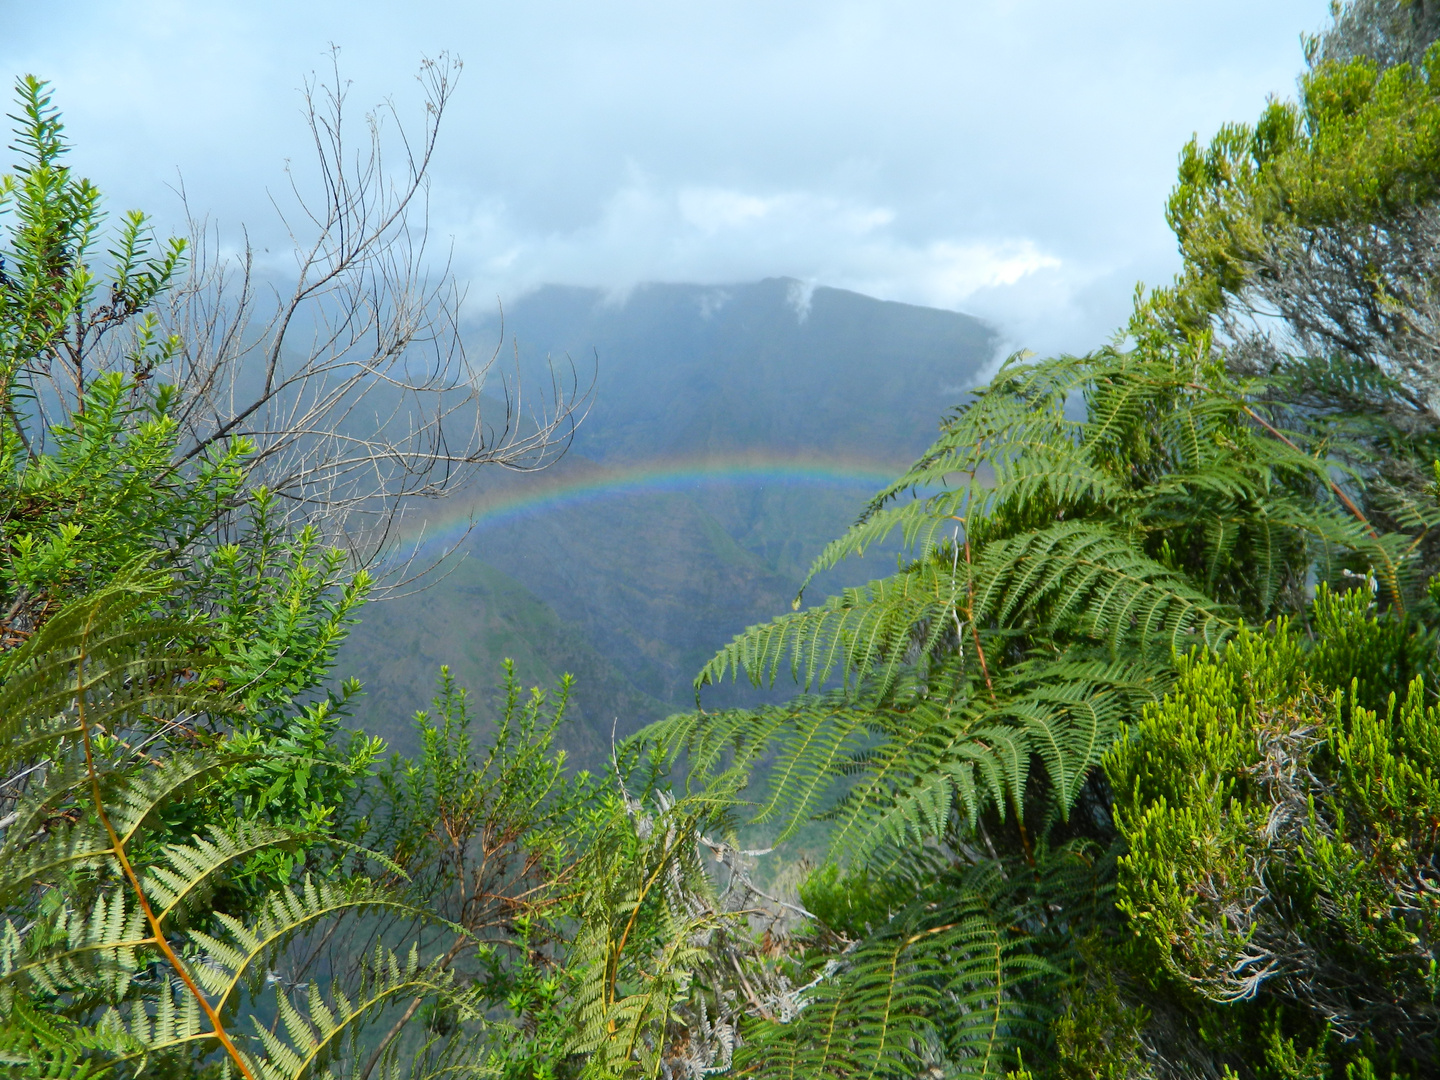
(783, 403)
(776, 366)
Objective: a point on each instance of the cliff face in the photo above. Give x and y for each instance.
(734, 431)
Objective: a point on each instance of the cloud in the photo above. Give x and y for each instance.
(1010, 158)
(799, 296)
(713, 209)
(948, 273)
(649, 233)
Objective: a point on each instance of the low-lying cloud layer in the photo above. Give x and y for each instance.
(645, 233)
(1008, 158)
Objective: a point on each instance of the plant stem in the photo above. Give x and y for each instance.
(118, 847)
(970, 615)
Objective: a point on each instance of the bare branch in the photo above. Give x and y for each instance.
(351, 377)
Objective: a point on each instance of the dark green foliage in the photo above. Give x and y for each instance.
(917, 993)
(1098, 1035)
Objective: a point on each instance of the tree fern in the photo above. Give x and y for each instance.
(920, 994)
(1058, 566)
(1048, 591)
(109, 921)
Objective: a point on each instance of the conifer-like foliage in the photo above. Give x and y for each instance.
(1281, 840)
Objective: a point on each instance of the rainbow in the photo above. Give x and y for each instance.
(544, 492)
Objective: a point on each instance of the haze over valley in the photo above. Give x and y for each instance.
(734, 431)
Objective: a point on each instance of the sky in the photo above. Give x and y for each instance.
(1008, 158)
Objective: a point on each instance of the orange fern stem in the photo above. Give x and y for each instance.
(118, 847)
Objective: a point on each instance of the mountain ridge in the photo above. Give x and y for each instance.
(639, 585)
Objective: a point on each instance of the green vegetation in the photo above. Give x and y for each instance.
(1129, 770)
(1279, 836)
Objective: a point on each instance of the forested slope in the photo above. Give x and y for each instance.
(732, 432)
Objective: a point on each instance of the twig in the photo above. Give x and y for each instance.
(1339, 492)
(721, 849)
(390, 1037)
(749, 992)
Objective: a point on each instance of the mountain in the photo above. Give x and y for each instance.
(685, 370)
(733, 432)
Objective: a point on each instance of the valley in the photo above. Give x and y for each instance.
(733, 432)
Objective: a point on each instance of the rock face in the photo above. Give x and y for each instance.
(734, 431)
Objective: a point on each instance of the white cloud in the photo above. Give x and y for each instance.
(799, 296)
(947, 273)
(646, 233)
(1008, 158)
(713, 209)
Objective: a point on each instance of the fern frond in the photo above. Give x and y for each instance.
(100, 948)
(316, 1033)
(863, 632)
(94, 952)
(184, 869)
(1082, 577)
(134, 664)
(1076, 579)
(103, 952)
(1042, 544)
(956, 987)
(886, 772)
(53, 833)
(42, 1045)
(239, 950)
